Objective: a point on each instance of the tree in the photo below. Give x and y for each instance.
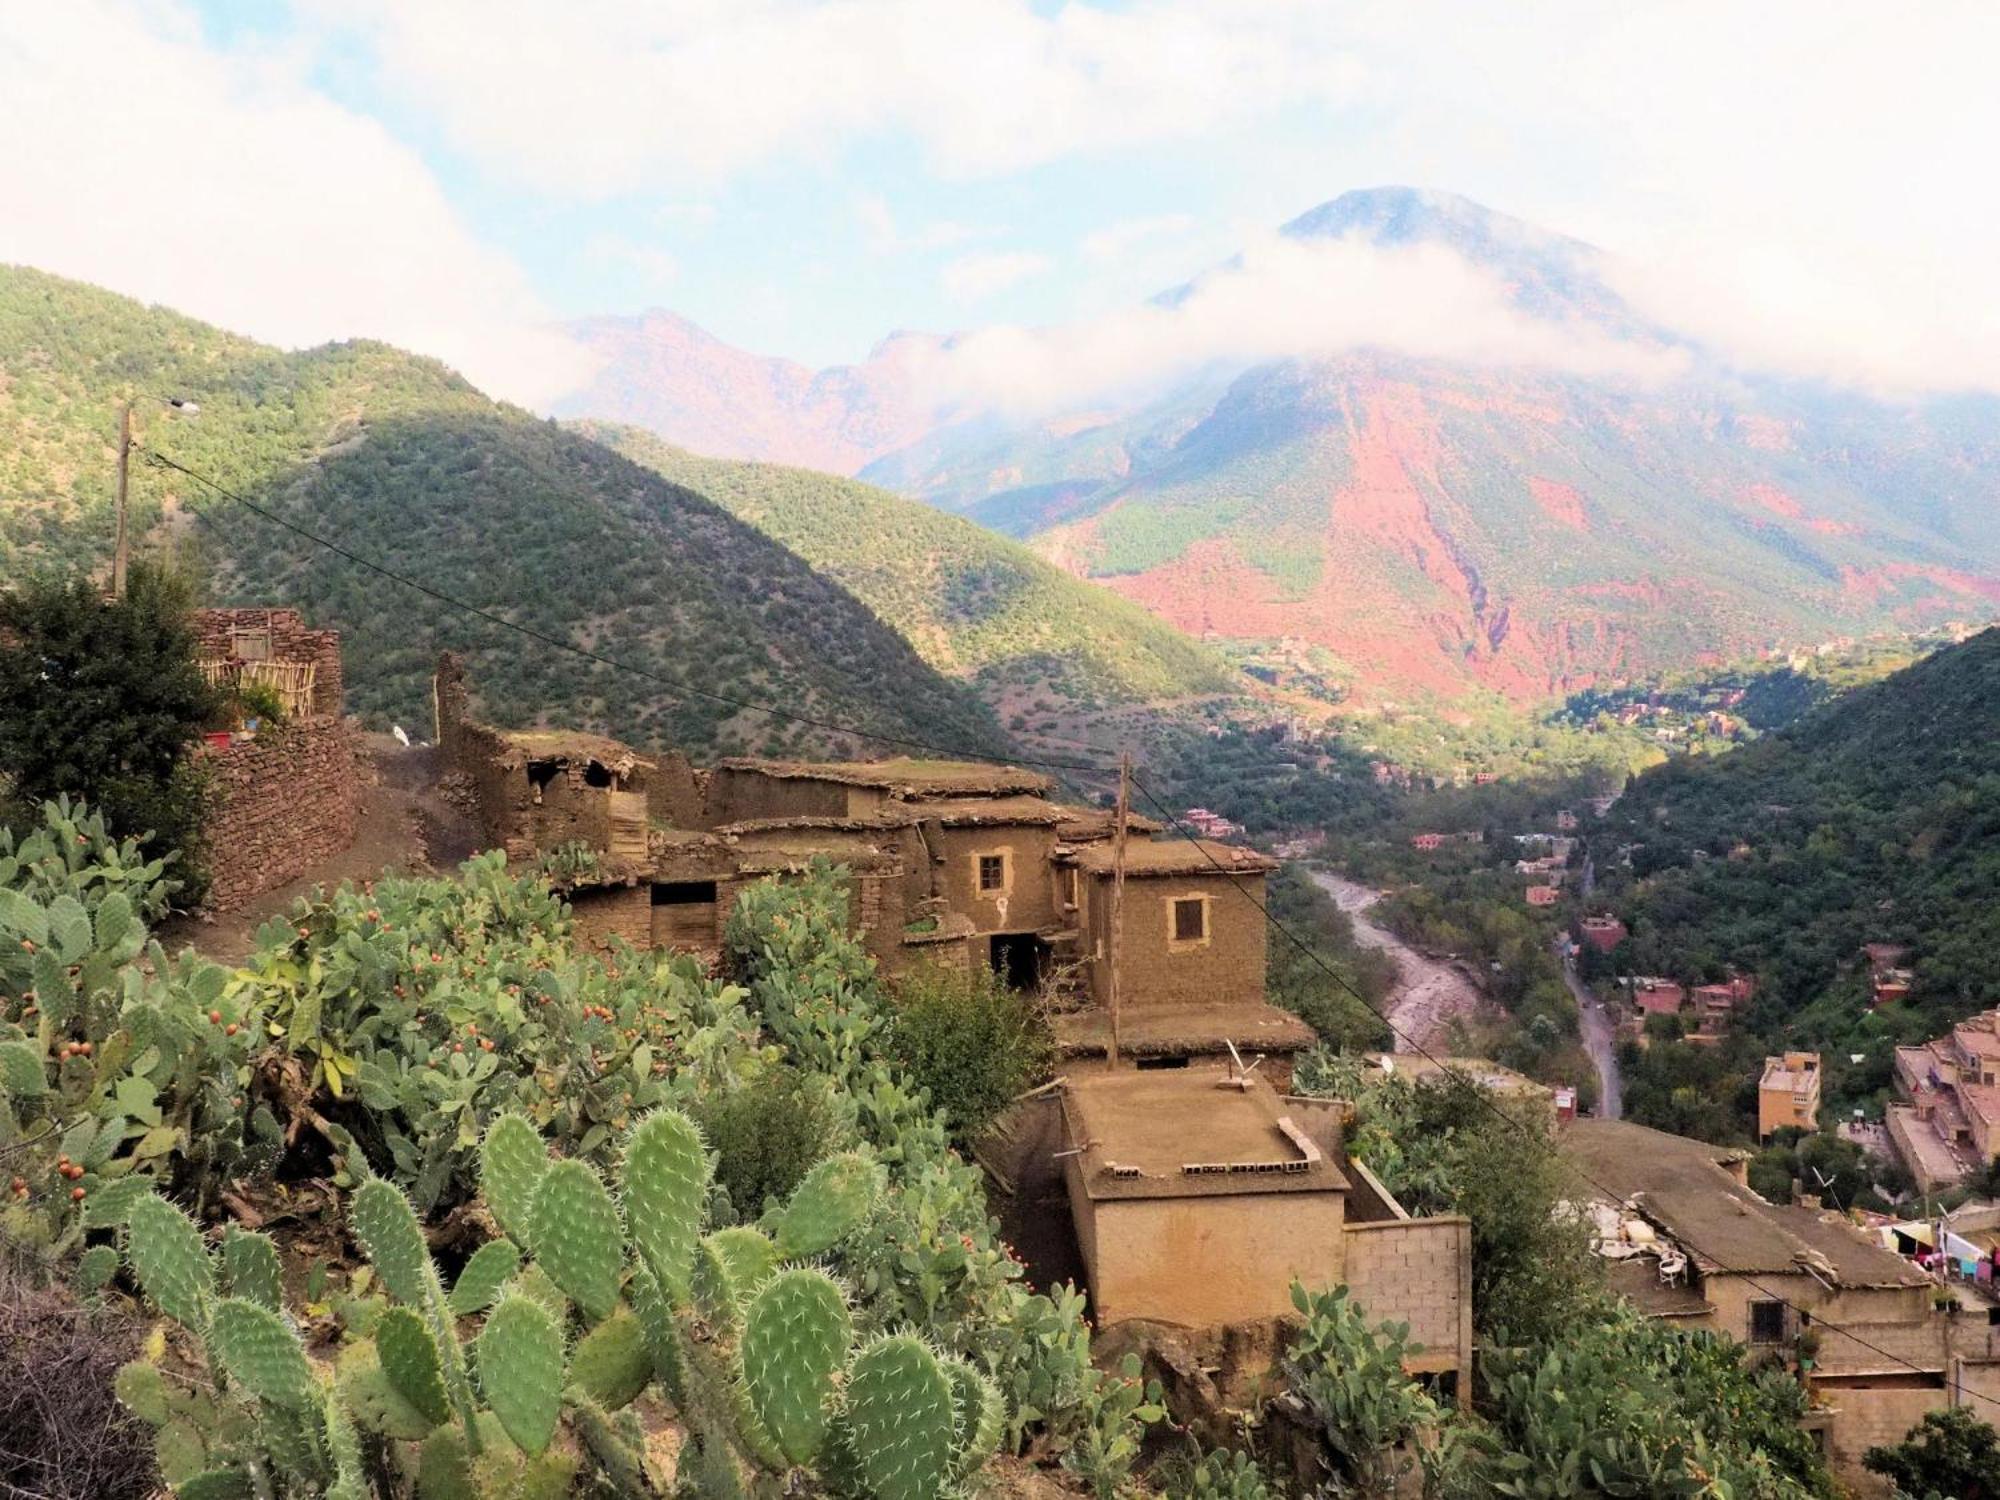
(969, 1040)
(100, 700)
(1950, 1455)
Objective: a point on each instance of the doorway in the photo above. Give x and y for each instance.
(1020, 959)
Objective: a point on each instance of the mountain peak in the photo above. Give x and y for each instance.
(1394, 215)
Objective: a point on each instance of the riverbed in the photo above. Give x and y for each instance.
(1429, 994)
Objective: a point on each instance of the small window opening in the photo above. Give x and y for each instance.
(540, 774)
(596, 774)
(250, 645)
(1767, 1322)
(684, 893)
(992, 872)
(1190, 920)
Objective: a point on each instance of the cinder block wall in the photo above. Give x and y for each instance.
(284, 802)
(1417, 1271)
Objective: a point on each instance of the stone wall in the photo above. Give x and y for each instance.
(217, 634)
(1417, 1271)
(284, 802)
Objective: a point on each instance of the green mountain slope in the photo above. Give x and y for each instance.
(1875, 818)
(399, 460)
(974, 604)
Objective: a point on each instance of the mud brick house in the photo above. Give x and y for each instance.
(1657, 997)
(1788, 1094)
(1686, 1239)
(1946, 1120)
(1603, 933)
(286, 796)
(1199, 1195)
(1715, 1006)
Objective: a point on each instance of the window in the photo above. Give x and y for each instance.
(992, 872)
(1767, 1322)
(250, 644)
(684, 893)
(1191, 919)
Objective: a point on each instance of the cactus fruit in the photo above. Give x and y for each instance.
(410, 1363)
(901, 1420)
(796, 1334)
(512, 1160)
(612, 1363)
(261, 1353)
(388, 1230)
(666, 1185)
(251, 1265)
(826, 1206)
(479, 1283)
(577, 1237)
(980, 1415)
(521, 1371)
(170, 1260)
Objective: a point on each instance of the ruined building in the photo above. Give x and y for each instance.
(955, 864)
(286, 793)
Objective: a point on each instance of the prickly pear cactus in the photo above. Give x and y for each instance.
(512, 1160)
(979, 1414)
(901, 1421)
(521, 1371)
(388, 1230)
(411, 1364)
(577, 1237)
(666, 1186)
(611, 1363)
(479, 1283)
(826, 1206)
(170, 1260)
(796, 1337)
(261, 1353)
(251, 1265)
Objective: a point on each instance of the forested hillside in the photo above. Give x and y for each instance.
(1874, 818)
(400, 461)
(973, 603)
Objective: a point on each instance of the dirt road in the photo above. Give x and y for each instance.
(1428, 995)
(1600, 1040)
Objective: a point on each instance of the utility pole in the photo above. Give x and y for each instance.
(121, 549)
(1118, 892)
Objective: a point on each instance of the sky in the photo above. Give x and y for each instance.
(1806, 186)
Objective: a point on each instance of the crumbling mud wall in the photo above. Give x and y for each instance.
(279, 635)
(283, 803)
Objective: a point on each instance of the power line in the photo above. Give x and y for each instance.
(1480, 1095)
(675, 688)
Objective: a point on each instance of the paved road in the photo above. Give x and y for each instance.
(1599, 1038)
(1428, 994)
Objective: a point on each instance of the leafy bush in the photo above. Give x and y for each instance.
(1350, 1378)
(1949, 1453)
(100, 701)
(968, 1040)
(766, 1131)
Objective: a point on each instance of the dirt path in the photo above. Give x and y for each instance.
(404, 826)
(1428, 994)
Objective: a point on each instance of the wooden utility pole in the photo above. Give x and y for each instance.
(121, 549)
(1118, 892)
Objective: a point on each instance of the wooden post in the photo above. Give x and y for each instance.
(121, 549)
(1118, 892)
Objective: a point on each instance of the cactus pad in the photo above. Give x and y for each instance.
(215, 1484)
(410, 1363)
(250, 1262)
(261, 1353)
(388, 1230)
(479, 1283)
(748, 1254)
(900, 1419)
(796, 1333)
(663, 1335)
(980, 1414)
(521, 1371)
(666, 1187)
(170, 1260)
(95, 1267)
(827, 1206)
(512, 1160)
(612, 1362)
(362, 1389)
(577, 1237)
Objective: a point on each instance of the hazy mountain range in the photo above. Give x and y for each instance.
(1429, 437)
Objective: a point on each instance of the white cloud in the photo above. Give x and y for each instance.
(886, 237)
(1284, 299)
(610, 251)
(627, 94)
(972, 278)
(224, 187)
(1116, 242)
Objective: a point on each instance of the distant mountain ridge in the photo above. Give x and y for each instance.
(1439, 524)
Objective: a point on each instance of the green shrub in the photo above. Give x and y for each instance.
(969, 1040)
(766, 1132)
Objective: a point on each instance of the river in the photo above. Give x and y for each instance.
(1428, 994)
